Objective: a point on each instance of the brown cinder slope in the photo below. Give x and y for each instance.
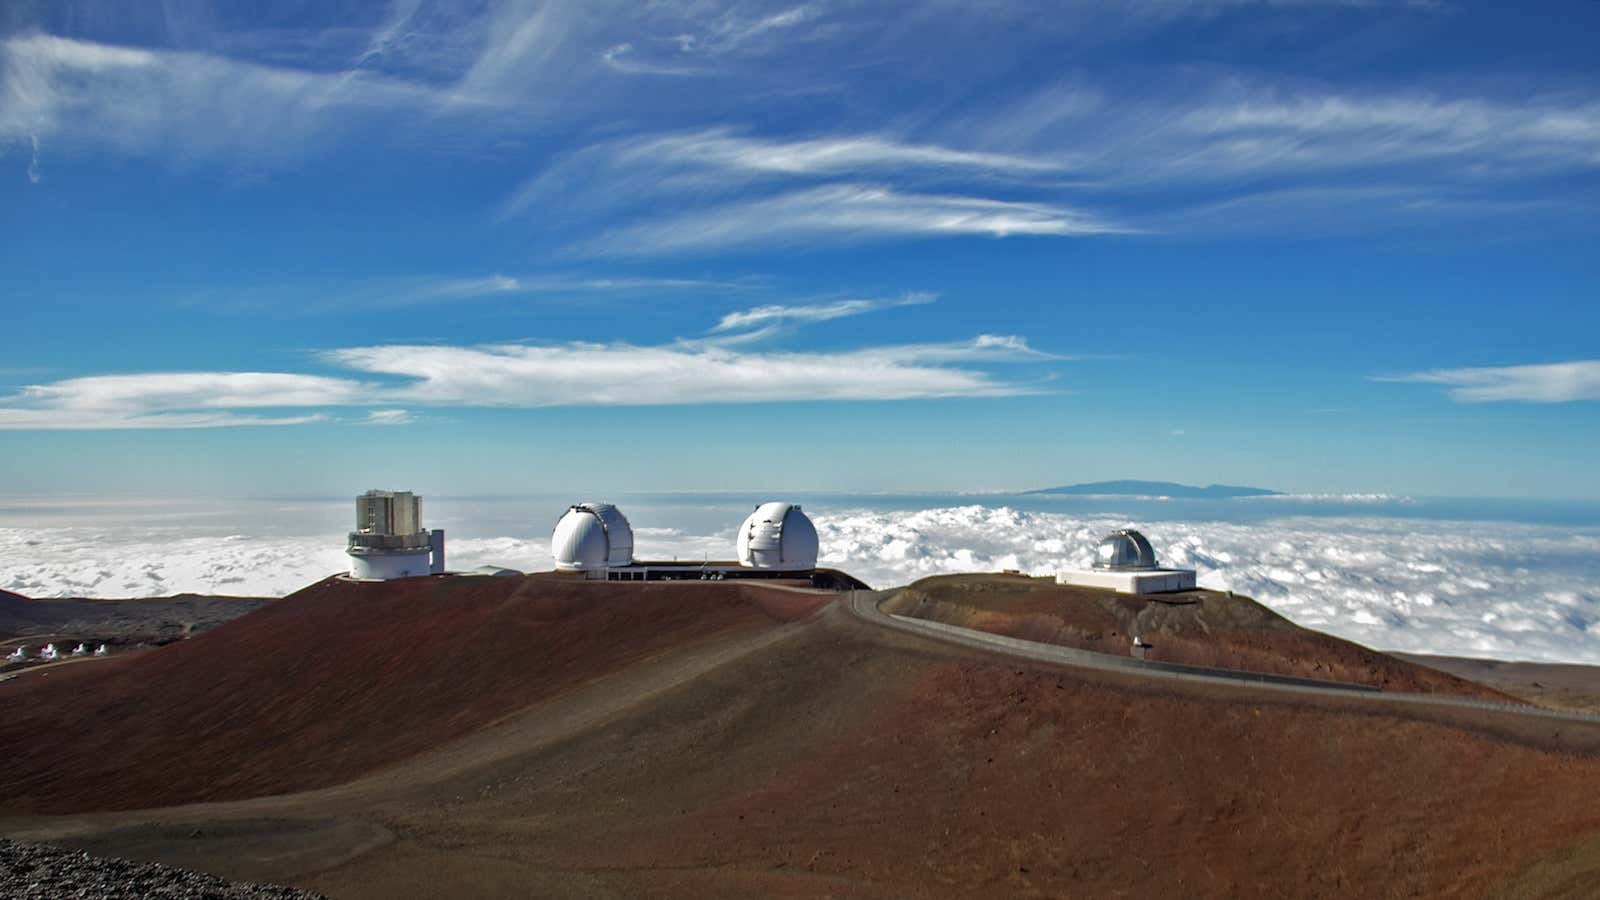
(1552, 685)
(15, 611)
(336, 680)
(840, 758)
(852, 762)
(1197, 628)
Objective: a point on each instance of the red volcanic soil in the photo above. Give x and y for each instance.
(1197, 628)
(848, 762)
(837, 758)
(337, 680)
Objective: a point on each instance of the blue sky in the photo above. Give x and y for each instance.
(308, 248)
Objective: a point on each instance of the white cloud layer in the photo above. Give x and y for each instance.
(157, 561)
(1474, 589)
(1552, 383)
(174, 400)
(1463, 588)
(192, 390)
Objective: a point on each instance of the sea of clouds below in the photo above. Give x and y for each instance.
(1496, 589)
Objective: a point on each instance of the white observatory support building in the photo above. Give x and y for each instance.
(592, 538)
(777, 536)
(1124, 561)
(389, 540)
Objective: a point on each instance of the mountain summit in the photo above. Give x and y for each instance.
(1131, 488)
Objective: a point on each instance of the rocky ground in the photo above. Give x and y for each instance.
(40, 871)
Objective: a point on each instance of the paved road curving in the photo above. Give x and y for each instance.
(864, 605)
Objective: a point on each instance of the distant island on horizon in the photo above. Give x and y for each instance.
(1131, 488)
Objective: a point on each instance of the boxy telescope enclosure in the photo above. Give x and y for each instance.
(389, 540)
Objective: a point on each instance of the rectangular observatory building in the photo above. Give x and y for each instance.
(389, 512)
(389, 540)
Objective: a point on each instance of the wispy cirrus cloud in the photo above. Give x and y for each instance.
(1222, 150)
(1291, 152)
(186, 103)
(723, 149)
(747, 190)
(731, 30)
(721, 161)
(428, 290)
(997, 348)
(1186, 155)
(1316, 131)
(1566, 382)
(318, 298)
(843, 212)
(622, 58)
(389, 417)
(772, 315)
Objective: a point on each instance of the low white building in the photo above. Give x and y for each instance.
(1124, 561)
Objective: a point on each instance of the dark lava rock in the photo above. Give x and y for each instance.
(40, 871)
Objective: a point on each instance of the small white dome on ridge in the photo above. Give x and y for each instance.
(1124, 549)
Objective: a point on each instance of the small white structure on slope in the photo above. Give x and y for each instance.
(592, 538)
(777, 536)
(1124, 561)
(389, 540)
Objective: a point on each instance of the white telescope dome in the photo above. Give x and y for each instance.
(777, 536)
(1125, 549)
(592, 536)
